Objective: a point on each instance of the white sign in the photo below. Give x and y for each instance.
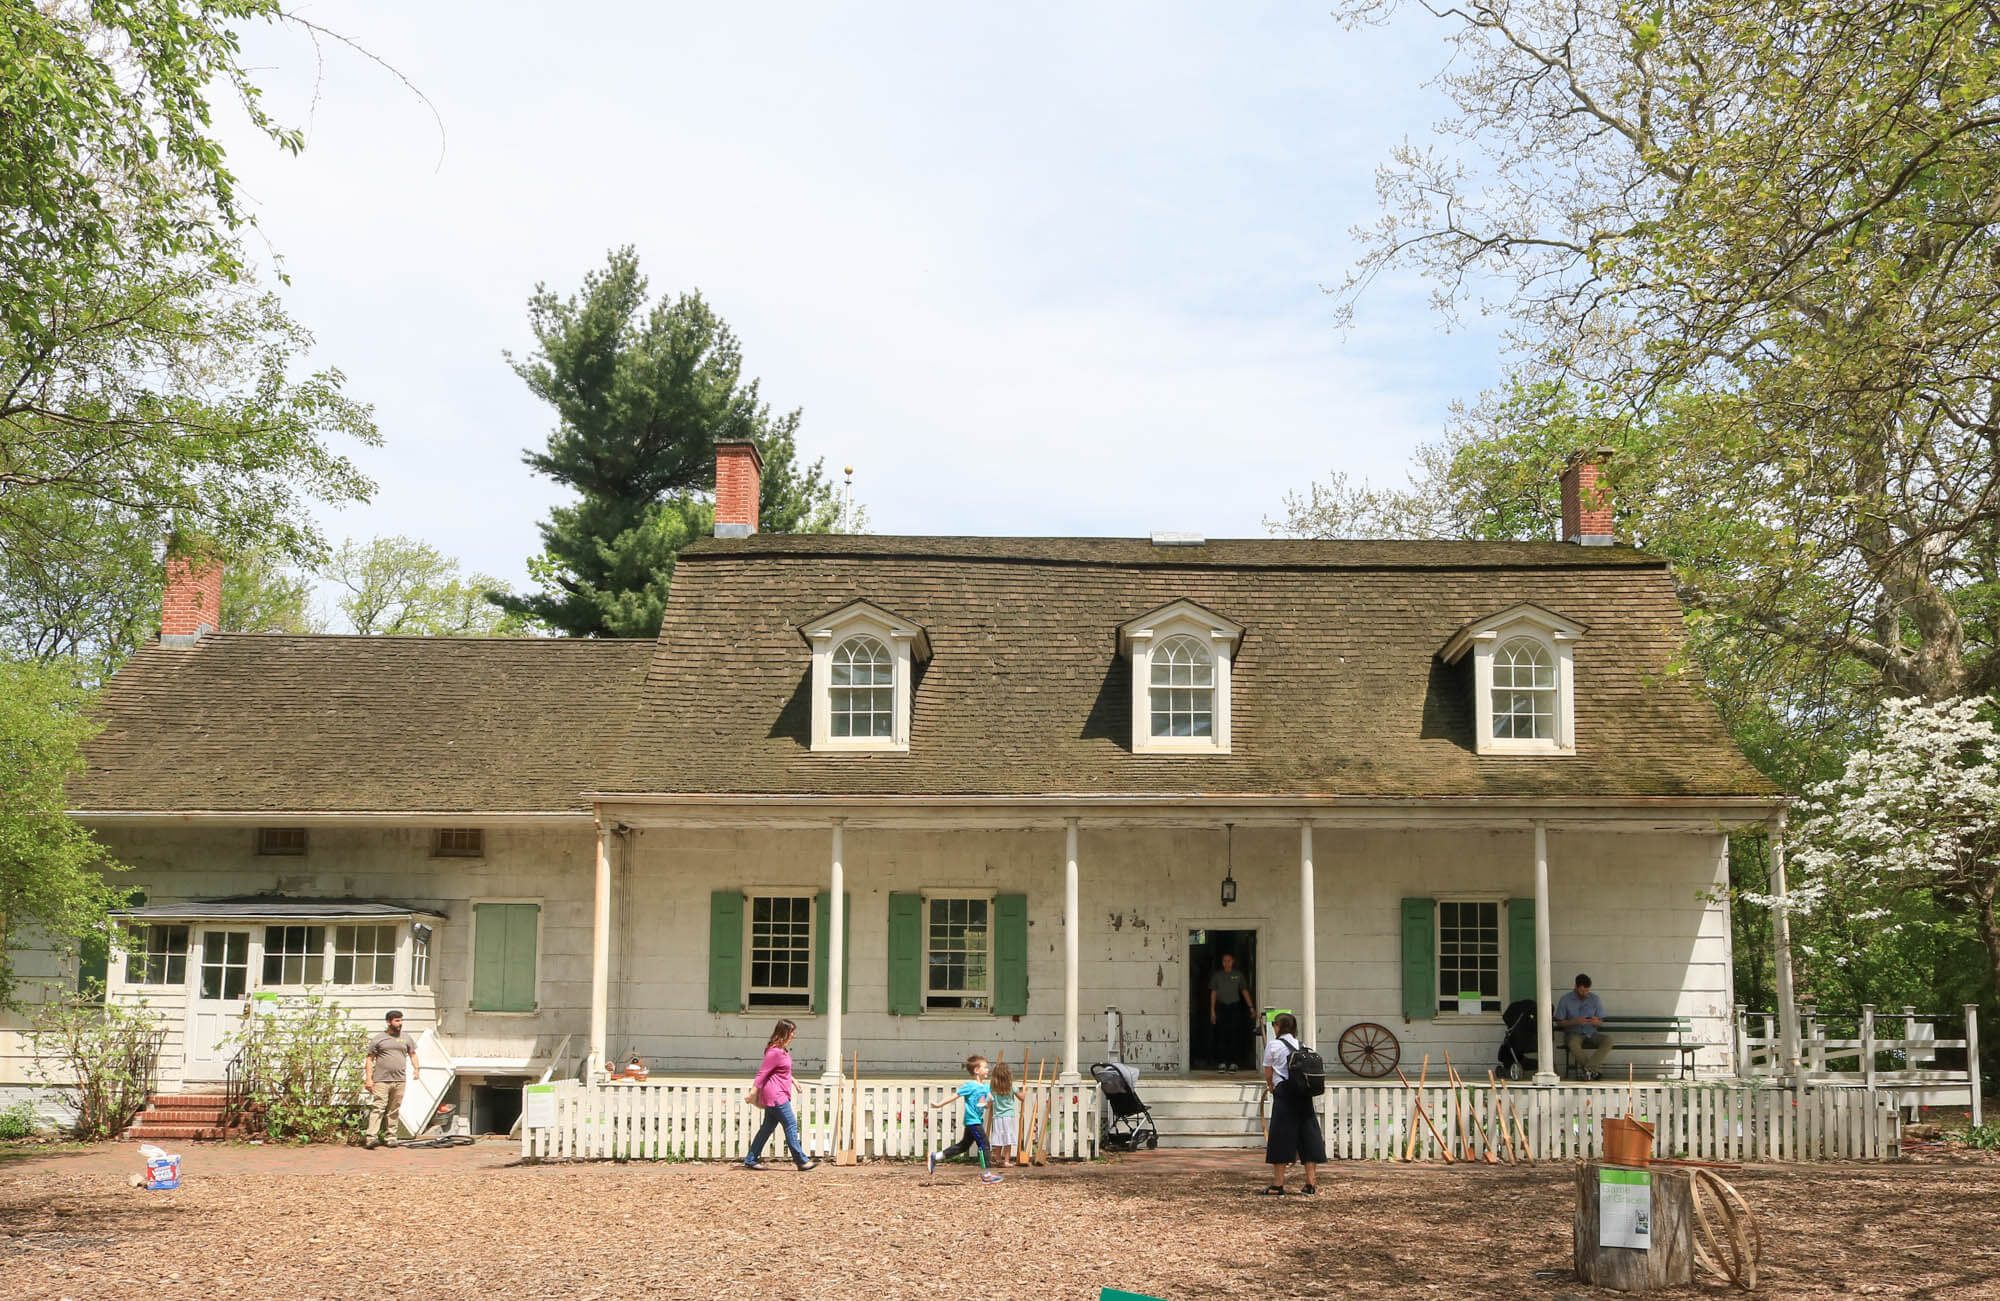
(1469, 1002)
(538, 1106)
(1625, 1208)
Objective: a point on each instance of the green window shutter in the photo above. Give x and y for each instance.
(93, 963)
(725, 951)
(1420, 959)
(823, 949)
(503, 956)
(1520, 949)
(1010, 955)
(906, 954)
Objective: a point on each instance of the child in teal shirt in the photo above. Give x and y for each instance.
(977, 1096)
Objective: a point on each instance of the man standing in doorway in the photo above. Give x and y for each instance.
(385, 1071)
(1230, 1011)
(1580, 1016)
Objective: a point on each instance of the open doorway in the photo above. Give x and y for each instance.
(1231, 1040)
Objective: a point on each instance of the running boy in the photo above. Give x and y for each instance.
(977, 1095)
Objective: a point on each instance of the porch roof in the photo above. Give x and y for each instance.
(267, 907)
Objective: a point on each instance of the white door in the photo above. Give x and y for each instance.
(433, 1077)
(222, 982)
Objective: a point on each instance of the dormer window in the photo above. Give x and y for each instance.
(1180, 656)
(1522, 680)
(863, 673)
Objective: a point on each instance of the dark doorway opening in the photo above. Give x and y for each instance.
(1231, 1040)
(496, 1105)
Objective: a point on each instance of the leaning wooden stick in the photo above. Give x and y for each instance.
(1042, 1109)
(1500, 1113)
(1417, 1109)
(1443, 1147)
(1458, 1117)
(854, 1119)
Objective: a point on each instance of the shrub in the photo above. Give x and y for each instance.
(301, 1066)
(19, 1121)
(107, 1053)
(1985, 1137)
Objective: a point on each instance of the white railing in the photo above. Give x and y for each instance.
(697, 1118)
(1895, 1050)
(1696, 1121)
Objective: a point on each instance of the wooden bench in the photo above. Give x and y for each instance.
(1662, 1034)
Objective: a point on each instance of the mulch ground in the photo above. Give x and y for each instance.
(272, 1222)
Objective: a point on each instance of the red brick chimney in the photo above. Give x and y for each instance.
(193, 603)
(1586, 504)
(738, 484)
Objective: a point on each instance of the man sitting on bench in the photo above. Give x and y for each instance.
(1579, 1013)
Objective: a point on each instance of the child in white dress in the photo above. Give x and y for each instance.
(1006, 1121)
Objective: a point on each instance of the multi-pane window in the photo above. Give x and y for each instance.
(363, 955)
(863, 690)
(156, 955)
(281, 840)
(420, 957)
(958, 945)
(1183, 688)
(1468, 957)
(1524, 692)
(780, 951)
(294, 955)
(225, 964)
(458, 842)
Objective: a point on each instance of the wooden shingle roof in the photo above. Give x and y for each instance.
(1337, 689)
(256, 723)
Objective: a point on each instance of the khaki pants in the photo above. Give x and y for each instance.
(386, 1100)
(1589, 1051)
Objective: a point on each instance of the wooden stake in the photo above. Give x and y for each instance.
(1443, 1147)
(1410, 1146)
(1457, 1105)
(1041, 1114)
(1500, 1114)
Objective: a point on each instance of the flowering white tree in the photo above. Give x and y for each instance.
(1919, 811)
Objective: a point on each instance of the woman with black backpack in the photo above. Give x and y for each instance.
(1294, 1133)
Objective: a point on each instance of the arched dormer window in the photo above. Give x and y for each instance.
(1524, 694)
(863, 676)
(863, 689)
(1181, 655)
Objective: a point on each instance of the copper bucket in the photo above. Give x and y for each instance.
(1627, 1141)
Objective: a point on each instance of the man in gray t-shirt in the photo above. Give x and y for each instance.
(1230, 1009)
(1580, 1016)
(386, 1069)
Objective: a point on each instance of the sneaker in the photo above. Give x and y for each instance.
(755, 1165)
(809, 1164)
(1593, 1075)
(370, 1143)
(388, 1142)
(932, 1168)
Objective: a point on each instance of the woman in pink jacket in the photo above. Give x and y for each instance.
(772, 1090)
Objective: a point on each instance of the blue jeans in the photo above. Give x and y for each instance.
(773, 1117)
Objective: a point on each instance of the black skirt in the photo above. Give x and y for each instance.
(1295, 1132)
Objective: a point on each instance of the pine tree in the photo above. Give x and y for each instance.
(642, 395)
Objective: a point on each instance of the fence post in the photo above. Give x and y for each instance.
(1972, 1059)
(1741, 1025)
(1868, 1049)
(1770, 1044)
(1815, 1041)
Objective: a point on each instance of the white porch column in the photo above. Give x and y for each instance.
(1308, 941)
(1071, 922)
(1781, 945)
(836, 950)
(1545, 999)
(600, 955)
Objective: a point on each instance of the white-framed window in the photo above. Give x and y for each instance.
(1181, 655)
(1523, 680)
(420, 956)
(778, 952)
(225, 964)
(1471, 957)
(958, 953)
(156, 954)
(863, 690)
(364, 955)
(294, 955)
(863, 677)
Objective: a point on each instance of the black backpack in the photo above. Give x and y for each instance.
(1305, 1073)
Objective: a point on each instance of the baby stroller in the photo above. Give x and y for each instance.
(1130, 1126)
(1517, 1048)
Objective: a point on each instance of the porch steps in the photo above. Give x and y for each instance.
(1219, 1112)
(181, 1116)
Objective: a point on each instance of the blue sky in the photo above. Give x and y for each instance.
(1040, 269)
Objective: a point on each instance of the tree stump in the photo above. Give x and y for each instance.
(1667, 1262)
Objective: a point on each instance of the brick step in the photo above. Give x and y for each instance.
(215, 1099)
(143, 1133)
(179, 1118)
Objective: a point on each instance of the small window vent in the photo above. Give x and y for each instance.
(459, 842)
(281, 840)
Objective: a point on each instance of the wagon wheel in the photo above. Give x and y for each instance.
(1369, 1050)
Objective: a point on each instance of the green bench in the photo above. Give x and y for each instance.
(1659, 1034)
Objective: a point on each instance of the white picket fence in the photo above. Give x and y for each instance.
(1704, 1122)
(707, 1119)
(1871, 1048)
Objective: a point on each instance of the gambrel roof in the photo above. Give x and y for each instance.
(1338, 686)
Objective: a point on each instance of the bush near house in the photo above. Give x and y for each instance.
(301, 1067)
(110, 1050)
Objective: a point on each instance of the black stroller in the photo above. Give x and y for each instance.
(1517, 1048)
(1130, 1126)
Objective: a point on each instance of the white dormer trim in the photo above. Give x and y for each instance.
(1219, 636)
(907, 643)
(1482, 637)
